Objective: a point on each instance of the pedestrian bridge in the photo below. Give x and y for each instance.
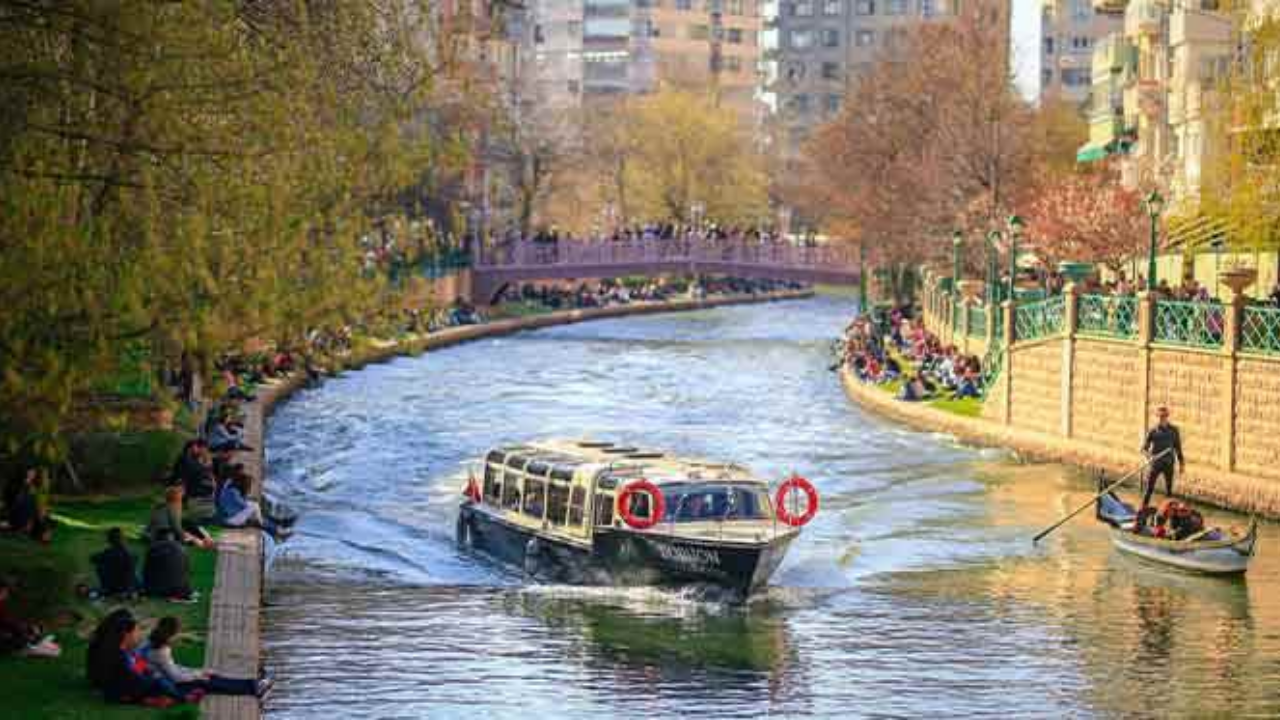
(524, 261)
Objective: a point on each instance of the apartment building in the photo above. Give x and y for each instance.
(587, 51)
(824, 45)
(1069, 31)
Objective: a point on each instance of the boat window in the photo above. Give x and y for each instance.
(517, 461)
(577, 499)
(536, 467)
(699, 502)
(562, 473)
(535, 497)
(557, 503)
(511, 490)
(492, 484)
(494, 456)
(603, 509)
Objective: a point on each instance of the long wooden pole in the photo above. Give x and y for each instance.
(1094, 499)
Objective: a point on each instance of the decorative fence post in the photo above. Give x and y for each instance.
(1146, 332)
(1231, 342)
(1006, 410)
(991, 331)
(963, 329)
(1071, 296)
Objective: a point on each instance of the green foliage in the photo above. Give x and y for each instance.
(187, 176)
(57, 689)
(114, 461)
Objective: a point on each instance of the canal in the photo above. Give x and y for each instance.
(915, 592)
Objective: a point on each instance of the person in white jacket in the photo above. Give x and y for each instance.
(158, 651)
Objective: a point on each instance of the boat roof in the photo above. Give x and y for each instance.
(563, 457)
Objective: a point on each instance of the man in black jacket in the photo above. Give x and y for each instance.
(1165, 445)
(166, 572)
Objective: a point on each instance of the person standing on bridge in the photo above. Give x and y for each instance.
(1164, 444)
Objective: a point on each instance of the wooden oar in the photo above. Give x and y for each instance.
(1094, 499)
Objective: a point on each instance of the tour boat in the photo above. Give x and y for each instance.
(586, 512)
(1212, 551)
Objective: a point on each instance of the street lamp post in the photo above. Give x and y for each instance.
(1154, 204)
(957, 242)
(993, 237)
(1015, 231)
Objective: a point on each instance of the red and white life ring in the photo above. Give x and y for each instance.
(789, 486)
(657, 506)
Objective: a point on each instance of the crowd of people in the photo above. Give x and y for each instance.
(613, 292)
(887, 347)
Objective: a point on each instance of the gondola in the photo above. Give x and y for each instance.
(590, 512)
(1212, 551)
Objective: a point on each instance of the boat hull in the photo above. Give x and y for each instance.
(1221, 554)
(621, 556)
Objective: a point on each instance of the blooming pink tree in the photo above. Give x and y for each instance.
(1087, 217)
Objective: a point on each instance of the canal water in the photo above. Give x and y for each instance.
(915, 592)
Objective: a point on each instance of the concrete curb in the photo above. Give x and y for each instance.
(235, 648)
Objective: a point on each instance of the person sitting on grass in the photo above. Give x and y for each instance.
(167, 572)
(916, 389)
(116, 567)
(19, 636)
(969, 384)
(27, 513)
(193, 469)
(122, 674)
(168, 516)
(158, 650)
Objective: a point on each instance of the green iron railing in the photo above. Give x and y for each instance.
(991, 366)
(1260, 330)
(957, 315)
(977, 321)
(1190, 323)
(1039, 319)
(998, 331)
(1108, 316)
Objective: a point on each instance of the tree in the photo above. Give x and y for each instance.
(190, 176)
(1089, 217)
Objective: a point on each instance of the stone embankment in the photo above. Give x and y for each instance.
(234, 648)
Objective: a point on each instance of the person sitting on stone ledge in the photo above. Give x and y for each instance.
(226, 433)
(167, 516)
(236, 510)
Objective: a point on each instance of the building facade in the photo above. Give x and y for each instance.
(823, 46)
(1069, 31)
(586, 51)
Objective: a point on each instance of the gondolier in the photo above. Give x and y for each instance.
(1165, 445)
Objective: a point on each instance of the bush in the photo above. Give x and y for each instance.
(118, 460)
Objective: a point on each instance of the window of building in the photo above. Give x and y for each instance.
(865, 7)
(1080, 43)
(698, 32)
(803, 8)
(799, 104)
(865, 38)
(1046, 77)
(575, 87)
(830, 71)
(733, 63)
(734, 36)
(684, 4)
(795, 72)
(539, 36)
(832, 8)
(895, 7)
(733, 7)
(830, 37)
(927, 8)
(1081, 9)
(1048, 46)
(801, 39)
(1075, 77)
(831, 103)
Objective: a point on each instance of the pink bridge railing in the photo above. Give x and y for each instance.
(528, 254)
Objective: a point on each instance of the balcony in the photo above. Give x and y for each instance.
(1189, 26)
(1109, 7)
(1114, 54)
(1142, 17)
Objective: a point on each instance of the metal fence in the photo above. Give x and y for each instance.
(977, 321)
(957, 315)
(1108, 316)
(1191, 324)
(1260, 330)
(1040, 319)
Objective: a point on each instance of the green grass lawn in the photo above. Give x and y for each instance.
(967, 407)
(47, 575)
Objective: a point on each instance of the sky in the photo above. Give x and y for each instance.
(1026, 46)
